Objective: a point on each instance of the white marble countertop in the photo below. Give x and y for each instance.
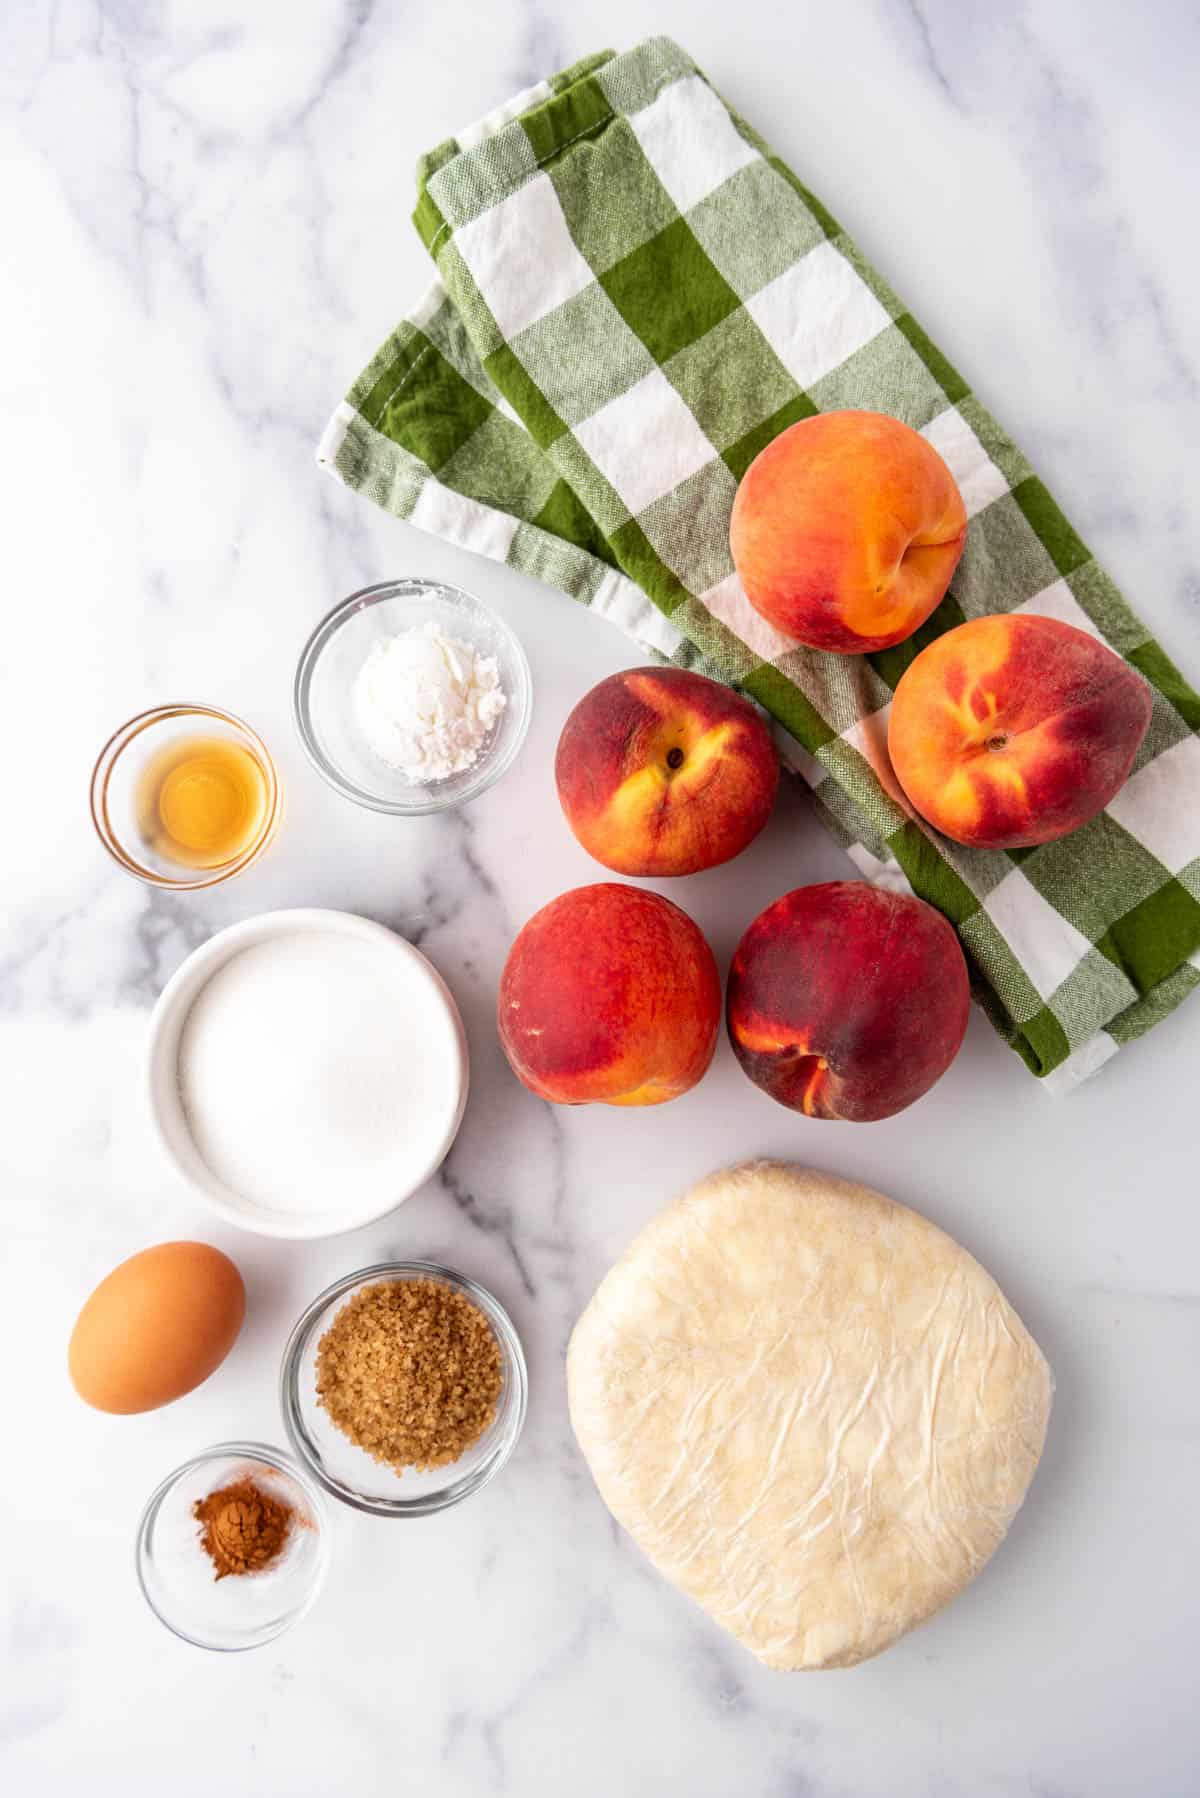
(207, 236)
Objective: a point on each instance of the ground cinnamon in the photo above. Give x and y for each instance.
(242, 1528)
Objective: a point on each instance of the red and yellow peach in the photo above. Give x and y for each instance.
(846, 531)
(1013, 730)
(610, 994)
(847, 1002)
(662, 772)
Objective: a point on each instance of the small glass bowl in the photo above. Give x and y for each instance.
(347, 1471)
(328, 668)
(178, 1578)
(116, 782)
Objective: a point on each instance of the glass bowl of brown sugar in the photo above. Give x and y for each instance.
(403, 1388)
(232, 1547)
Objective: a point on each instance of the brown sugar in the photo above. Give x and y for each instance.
(242, 1528)
(410, 1371)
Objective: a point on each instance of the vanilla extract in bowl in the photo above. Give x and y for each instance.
(201, 801)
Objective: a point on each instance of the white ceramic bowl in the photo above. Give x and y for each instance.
(168, 1115)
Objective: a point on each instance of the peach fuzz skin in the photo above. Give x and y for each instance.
(1013, 730)
(609, 995)
(663, 772)
(846, 531)
(847, 1002)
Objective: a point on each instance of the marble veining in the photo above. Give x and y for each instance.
(207, 236)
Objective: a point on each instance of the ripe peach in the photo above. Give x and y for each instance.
(847, 1002)
(660, 771)
(846, 530)
(1013, 730)
(610, 994)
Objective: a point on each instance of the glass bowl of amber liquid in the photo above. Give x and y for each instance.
(192, 1592)
(185, 796)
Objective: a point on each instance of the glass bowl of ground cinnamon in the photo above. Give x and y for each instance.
(403, 1388)
(232, 1547)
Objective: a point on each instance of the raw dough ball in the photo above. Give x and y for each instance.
(810, 1408)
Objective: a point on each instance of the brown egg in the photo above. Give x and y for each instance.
(156, 1327)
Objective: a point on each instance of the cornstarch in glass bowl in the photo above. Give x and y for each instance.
(426, 703)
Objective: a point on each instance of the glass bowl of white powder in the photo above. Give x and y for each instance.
(412, 697)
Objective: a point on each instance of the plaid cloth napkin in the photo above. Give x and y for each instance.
(635, 296)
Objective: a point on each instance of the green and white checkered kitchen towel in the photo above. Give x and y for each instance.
(634, 296)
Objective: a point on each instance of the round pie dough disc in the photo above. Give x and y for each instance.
(809, 1407)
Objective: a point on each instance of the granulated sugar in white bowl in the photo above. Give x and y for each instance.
(308, 1071)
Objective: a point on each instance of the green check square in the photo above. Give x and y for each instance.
(990, 951)
(943, 371)
(784, 700)
(1155, 1005)
(1041, 1041)
(597, 495)
(636, 79)
(431, 226)
(565, 516)
(611, 198)
(384, 471)
(853, 772)
(432, 411)
(668, 291)
(524, 396)
(828, 224)
(1093, 992)
(448, 334)
(739, 455)
(579, 71)
(1155, 936)
(844, 689)
(642, 563)
(1065, 547)
(981, 869)
(388, 373)
(931, 876)
(549, 352)
(753, 227)
(1064, 872)
(1005, 562)
(1166, 728)
(846, 821)
(732, 380)
(726, 652)
(1150, 659)
(687, 656)
(501, 466)
(1099, 598)
(553, 559)
(467, 185)
(579, 112)
(485, 333)
(885, 375)
(689, 527)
